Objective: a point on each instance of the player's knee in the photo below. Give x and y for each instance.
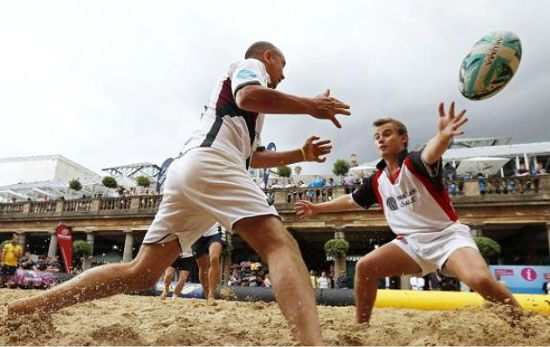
(480, 281)
(365, 269)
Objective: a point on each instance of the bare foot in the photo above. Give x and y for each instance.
(211, 302)
(163, 295)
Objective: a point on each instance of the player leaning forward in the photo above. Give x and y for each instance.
(409, 187)
(210, 183)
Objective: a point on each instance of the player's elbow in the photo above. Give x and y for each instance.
(245, 98)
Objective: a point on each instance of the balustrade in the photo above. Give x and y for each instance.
(42, 207)
(538, 187)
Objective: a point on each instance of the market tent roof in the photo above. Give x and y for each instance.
(508, 151)
(484, 165)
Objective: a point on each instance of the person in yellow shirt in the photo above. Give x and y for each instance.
(11, 252)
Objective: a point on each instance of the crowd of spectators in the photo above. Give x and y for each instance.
(13, 264)
(249, 274)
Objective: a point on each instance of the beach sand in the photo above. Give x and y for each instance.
(140, 320)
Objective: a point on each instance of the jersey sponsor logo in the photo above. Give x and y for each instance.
(246, 75)
(392, 203)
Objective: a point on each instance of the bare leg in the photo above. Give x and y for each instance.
(214, 254)
(103, 281)
(181, 283)
(168, 276)
(202, 262)
(470, 267)
(388, 260)
(291, 285)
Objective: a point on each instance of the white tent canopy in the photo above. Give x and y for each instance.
(367, 168)
(484, 165)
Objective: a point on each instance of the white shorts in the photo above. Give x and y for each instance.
(203, 187)
(431, 250)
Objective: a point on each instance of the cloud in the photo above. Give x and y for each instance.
(109, 83)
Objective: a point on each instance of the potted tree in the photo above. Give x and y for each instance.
(337, 249)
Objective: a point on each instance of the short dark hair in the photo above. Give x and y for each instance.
(258, 48)
(400, 127)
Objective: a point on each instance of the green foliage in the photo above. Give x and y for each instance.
(82, 249)
(284, 171)
(75, 184)
(143, 181)
(341, 167)
(488, 247)
(336, 248)
(109, 182)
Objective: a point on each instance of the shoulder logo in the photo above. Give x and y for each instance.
(245, 74)
(392, 204)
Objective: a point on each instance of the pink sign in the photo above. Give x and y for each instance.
(528, 274)
(504, 272)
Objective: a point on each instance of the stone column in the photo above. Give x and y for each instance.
(128, 246)
(475, 230)
(52, 250)
(340, 264)
(90, 238)
(22, 239)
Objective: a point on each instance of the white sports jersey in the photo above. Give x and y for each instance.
(415, 202)
(217, 228)
(223, 124)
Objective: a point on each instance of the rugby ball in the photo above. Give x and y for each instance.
(490, 65)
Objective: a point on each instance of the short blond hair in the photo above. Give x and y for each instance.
(399, 126)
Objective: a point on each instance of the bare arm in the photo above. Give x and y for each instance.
(261, 99)
(312, 150)
(449, 125)
(306, 209)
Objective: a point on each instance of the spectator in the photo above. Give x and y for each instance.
(267, 282)
(314, 279)
(11, 252)
(522, 171)
(546, 287)
(26, 262)
(538, 171)
(342, 280)
(324, 281)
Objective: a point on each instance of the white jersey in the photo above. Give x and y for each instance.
(223, 125)
(217, 228)
(415, 202)
(186, 254)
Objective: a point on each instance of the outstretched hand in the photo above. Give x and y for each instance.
(449, 124)
(314, 149)
(327, 107)
(304, 209)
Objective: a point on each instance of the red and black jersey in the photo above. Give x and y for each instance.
(414, 200)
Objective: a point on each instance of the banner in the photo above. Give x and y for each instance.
(65, 243)
(270, 147)
(525, 279)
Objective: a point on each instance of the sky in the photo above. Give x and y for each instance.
(107, 83)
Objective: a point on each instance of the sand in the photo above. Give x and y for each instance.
(136, 320)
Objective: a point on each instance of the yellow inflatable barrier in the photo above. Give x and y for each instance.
(436, 300)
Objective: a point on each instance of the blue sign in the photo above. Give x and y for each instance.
(270, 147)
(161, 177)
(522, 278)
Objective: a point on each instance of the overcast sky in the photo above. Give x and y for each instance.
(106, 83)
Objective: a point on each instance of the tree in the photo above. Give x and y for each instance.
(341, 167)
(109, 182)
(336, 248)
(143, 181)
(75, 184)
(489, 248)
(284, 171)
(82, 249)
